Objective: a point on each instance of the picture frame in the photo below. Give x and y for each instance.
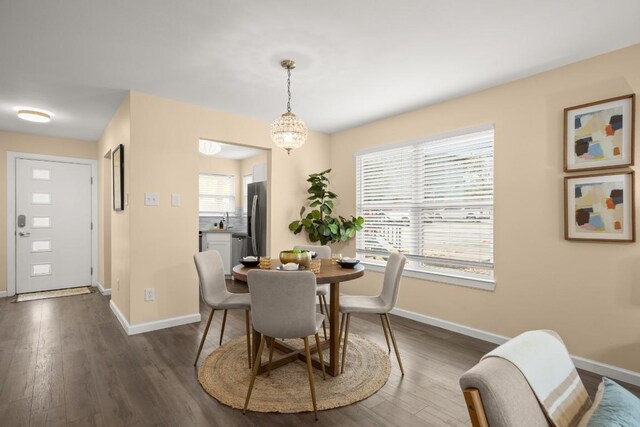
(599, 135)
(600, 207)
(117, 165)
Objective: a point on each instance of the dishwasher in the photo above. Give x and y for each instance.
(238, 247)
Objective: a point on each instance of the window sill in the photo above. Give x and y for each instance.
(484, 284)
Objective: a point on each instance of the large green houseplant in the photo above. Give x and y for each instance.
(319, 224)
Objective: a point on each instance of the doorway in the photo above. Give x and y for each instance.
(51, 223)
(106, 221)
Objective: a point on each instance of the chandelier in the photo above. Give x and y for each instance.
(288, 132)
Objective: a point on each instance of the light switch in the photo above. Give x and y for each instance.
(151, 199)
(175, 199)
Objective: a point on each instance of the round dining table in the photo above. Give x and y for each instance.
(333, 275)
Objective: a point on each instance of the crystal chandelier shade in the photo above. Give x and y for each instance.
(288, 132)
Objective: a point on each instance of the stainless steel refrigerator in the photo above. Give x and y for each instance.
(257, 218)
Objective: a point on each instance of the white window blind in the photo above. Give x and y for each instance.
(431, 200)
(217, 194)
(246, 180)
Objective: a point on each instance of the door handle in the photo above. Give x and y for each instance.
(254, 205)
(24, 234)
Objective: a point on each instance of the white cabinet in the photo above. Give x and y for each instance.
(221, 242)
(259, 172)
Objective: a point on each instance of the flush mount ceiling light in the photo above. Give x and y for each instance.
(288, 132)
(209, 148)
(34, 114)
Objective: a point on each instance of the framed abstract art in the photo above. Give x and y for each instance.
(117, 163)
(600, 207)
(599, 135)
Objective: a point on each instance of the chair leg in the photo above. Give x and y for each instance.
(395, 345)
(324, 374)
(224, 322)
(247, 322)
(256, 366)
(346, 339)
(310, 372)
(326, 307)
(342, 322)
(272, 344)
(324, 328)
(204, 337)
(386, 335)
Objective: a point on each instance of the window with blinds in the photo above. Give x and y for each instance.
(431, 200)
(217, 194)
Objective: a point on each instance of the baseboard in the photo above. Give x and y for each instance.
(599, 368)
(102, 290)
(4, 294)
(141, 328)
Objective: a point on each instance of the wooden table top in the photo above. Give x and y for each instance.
(329, 273)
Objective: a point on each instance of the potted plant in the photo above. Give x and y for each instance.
(318, 223)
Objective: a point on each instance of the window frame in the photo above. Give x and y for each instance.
(484, 283)
(232, 197)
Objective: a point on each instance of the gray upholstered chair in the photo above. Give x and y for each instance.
(214, 293)
(381, 304)
(323, 252)
(498, 395)
(283, 306)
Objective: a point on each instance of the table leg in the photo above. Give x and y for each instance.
(334, 330)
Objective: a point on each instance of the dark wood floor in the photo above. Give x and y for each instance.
(67, 361)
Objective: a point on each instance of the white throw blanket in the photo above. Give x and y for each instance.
(545, 362)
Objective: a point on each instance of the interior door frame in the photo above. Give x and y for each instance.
(11, 211)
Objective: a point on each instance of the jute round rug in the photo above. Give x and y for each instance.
(225, 376)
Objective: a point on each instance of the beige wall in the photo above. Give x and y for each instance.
(117, 132)
(26, 143)
(588, 292)
(164, 158)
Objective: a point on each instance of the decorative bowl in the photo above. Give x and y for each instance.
(250, 263)
(302, 257)
(347, 263)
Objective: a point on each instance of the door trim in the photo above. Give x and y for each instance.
(11, 211)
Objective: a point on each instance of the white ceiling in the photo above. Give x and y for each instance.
(358, 60)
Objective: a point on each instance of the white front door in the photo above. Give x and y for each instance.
(53, 225)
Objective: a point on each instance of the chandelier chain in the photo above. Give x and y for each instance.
(289, 90)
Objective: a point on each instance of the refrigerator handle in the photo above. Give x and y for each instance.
(254, 206)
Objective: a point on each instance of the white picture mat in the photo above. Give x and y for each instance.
(627, 226)
(627, 119)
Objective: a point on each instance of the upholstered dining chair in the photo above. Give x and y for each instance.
(381, 304)
(214, 293)
(323, 252)
(283, 306)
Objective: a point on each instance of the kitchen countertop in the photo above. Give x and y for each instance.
(230, 231)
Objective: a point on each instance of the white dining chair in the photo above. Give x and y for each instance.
(322, 252)
(283, 306)
(214, 293)
(381, 304)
